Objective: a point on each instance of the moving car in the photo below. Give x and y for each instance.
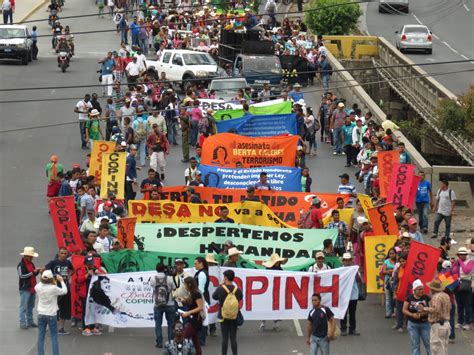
(393, 6)
(15, 43)
(414, 37)
(226, 89)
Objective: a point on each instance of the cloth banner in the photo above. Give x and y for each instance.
(137, 260)
(366, 202)
(386, 161)
(376, 250)
(113, 174)
(256, 243)
(254, 213)
(345, 215)
(226, 149)
(401, 184)
(76, 304)
(383, 220)
(126, 231)
(413, 189)
(268, 294)
(273, 107)
(421, 264)
(63, 215)
(287, 206)
(95, 164)
(280, 178)
(260, 125)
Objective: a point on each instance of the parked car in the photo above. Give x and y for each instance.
(414, 37)
(393, 6)
(15, 43)
(226, 89)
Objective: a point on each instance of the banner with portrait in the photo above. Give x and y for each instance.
(260, 125)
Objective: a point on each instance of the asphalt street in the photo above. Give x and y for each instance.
(452, 24)
(41, 128)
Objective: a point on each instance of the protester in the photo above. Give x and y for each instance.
(196, 307)
(53, 171)
(27, 273)
(351, 311)
(387, 272)
(424, 200)
(202, 279)
(263, 184)
(444, 207)
(464, 269)
(342, 233)
(319, 265)
(321, 327)
(234, 255)
(224, 216)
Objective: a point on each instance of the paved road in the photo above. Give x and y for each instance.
(24, 218)
(452, 23)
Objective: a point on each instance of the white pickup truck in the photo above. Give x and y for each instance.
(185, 65)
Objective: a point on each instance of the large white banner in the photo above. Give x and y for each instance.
(217, 105)
(127, 300)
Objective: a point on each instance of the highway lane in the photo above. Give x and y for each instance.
(452, 24)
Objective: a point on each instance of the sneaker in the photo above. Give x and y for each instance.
(73, 323)
(63, 332)
(87, 332)
(347, 165)
(466, 327)
(184, 160)
(23, 326)
(434, 236)
(453, 242)
(395, 326)
(262, 326)
(342, 153)
(343, 333)
(162, 176)
(400, 330)
(334, 153)
(425, 231)
(158, 345)
(97, 331)
(458, 326)
(451, 341)
(33, 325)
(354, 333)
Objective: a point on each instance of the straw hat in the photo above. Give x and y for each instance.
(211, 259)
(275, 258)
(29, 251)
(94, 113)
(234, 251)
(436, 285)
(462, 251)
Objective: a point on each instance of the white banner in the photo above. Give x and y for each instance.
(218, 105)
(127, 300)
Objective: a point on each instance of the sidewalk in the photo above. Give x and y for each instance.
(25, 8)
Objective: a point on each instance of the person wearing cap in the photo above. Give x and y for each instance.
(300, 161)
(444, 207)
(319, 265)
(337, 121)
(346, 188)
(354, 297)
(107, 208)
(315, 214)
(418, 325)
(464, 269)
(197, 180)
(131, 174)
(250, 195)
(233, 257)
(342, 232)
(202, 279)
(224, 216)
(412, 229)
(89, 223)
(92, 128)
(27, 273)
(296, 94)
(48, 293)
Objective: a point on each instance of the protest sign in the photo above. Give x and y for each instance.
(376, 250)
(421, 264)
(226, 149)
(217, 104)
(254, 213)
(383, 220)
(95, 163)
(127, 300)
(413, 190)
(345, 215)
(113, 174)
(260, 125)
(126, 231)
(366, 202)
(386, 161)
(63, 215)
(76, 304)
(280, 178)
(402, 177)
(287, 206)
(272, 107)
(256, 243)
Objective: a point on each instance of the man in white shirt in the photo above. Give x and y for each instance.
(126, 110)
(133, 70)
(444, 207)
(319, 265)
(190, 172)
(82, 109)
(141, 60)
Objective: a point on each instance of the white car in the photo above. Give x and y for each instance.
(15, 43)
(414, 37)
(185, 65)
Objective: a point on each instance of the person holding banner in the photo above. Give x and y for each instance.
(352, 309)
(387, 272)
(53, 169)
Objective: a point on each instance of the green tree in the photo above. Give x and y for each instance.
(332, 17)
(458, 117)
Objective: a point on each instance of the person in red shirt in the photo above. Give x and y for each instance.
(316, 214)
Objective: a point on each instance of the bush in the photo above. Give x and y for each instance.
(329, 19)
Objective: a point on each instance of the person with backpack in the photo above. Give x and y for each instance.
(228, 295)
(312, 126)
(313, 218)
(321, 326)
(325, 69)
(140, 134)
(163, 286)
(444, 207)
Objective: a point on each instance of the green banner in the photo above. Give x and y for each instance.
(256, 243)
(282, 108)
(137, 260)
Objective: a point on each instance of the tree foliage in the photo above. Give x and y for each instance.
(458, 117)
(332, 19)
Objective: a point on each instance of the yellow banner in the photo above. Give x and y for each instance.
(95, 163)
(376, 250)
(366, 202)
(166, 211)
(113, 174)
(344, 215)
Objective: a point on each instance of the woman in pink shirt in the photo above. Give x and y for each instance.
(196, 115)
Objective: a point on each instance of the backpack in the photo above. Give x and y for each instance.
(140, 132)
(230, 307)
(450, 194)
(162, 291)
(316, 126)
(305, 221)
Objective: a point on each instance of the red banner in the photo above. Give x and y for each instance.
(386, 160)
(413, 189)
(383, 220)
(63, 214)
(76, 302)
(421, 264)
(126, 231)
(402, 177)
(286, 205)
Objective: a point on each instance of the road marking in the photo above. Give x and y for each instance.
(299, 331)
(465, 6)
(111, 330)
(435, 36)
(449, 46)
(417, 19)
(430, 60)
(462, 55)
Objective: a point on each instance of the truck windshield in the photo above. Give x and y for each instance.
(221, 85)
(262, 64)
(198, 59)
(12, 33)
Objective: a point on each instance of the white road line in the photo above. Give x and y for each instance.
(449, 46)
(299, 331)
(417, 19)
(462, 55)
(467, 9)
(435, 36)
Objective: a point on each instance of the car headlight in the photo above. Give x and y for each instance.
(201, 73)
(21, 45)
(275, 71)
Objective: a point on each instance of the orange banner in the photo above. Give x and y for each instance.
(95, 164)
(286, 205)
(383, 220)
(126, 231)
(386, 160)
(226, 149)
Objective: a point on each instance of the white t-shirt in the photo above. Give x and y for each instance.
(315, 268)
(444, 204)
(141, 61)
(133, 69)
(105, 244)
(83, 106)
(308, 121)
(190, 173)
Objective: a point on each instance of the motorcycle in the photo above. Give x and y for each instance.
(53, 18)
(63, 61)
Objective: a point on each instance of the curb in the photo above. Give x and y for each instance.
(33, 10)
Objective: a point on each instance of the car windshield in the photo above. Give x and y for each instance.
(261, 64)
(198, 59)
(12, 33)
(417, 29)
(223, 85)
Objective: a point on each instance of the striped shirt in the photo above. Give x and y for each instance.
(347, 190)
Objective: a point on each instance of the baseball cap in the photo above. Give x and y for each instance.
(47, 275)
(340, 104)
(108, 203)
(319, 254)
(177, 261)
(412, 221)
(417, 283)
(89, 260)
(344, 176)
(198, 172)
(299, 148)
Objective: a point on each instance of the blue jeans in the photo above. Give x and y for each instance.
(142, 152)
(144, 45)
(52, 323)
(172, 132)
(124, 36)
(135, 41)
(438, 219)
(319, 343)
(389, 301)
(337, 139)
(326, 79)
(194, 133)
(422, 209)
(417, 331)
(27, 303)
(399, 313)
(169, 312)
